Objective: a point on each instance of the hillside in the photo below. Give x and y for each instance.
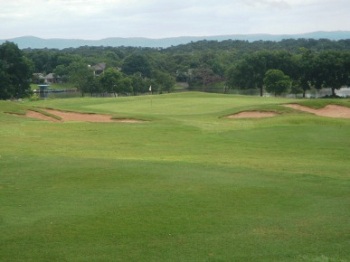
(58, 43)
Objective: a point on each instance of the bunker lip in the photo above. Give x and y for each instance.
(79, 117)
(253, 114)
(333, 111)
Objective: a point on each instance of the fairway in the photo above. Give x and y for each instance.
(185, 183)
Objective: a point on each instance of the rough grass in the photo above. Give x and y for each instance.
(190, 185)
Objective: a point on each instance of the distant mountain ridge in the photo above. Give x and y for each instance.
(58, 43)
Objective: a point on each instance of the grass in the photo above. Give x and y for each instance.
(189, 185)
(54, 86)
(320, 103)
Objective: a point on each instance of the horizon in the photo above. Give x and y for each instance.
(181, 36)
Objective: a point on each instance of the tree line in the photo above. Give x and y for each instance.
(277, 67)
(133, 78)
(281, 71)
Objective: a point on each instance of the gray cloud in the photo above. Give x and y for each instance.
(280, 4)
(154, 18)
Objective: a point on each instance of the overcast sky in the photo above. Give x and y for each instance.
(97, 19)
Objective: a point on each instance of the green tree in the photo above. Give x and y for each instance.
(240, 75)
(202, 77)
(80, 75)
(44, 60)
(62, 71)
(164, 81)
(137, 63)
(93, 86)
(110, 81)
(276, 81)
(15, 72)
(305, 77)
(139, 84)
(331, 70)
(125, 85)
(250, 71)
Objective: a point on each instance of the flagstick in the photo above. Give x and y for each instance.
(150, 91)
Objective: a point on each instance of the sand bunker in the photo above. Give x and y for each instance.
(253, 114)
(81, 117)
(33, 114)
(328, 111)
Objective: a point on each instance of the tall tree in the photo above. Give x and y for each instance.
(80, 75)
(110, 81)
(202, 77)
(15, 72)
(305, 64)
(93, 86)
(137, 63)
(139, 84)
(125, 85)
(164, 81)
(331, 70)
(276, 81)
(250, 71)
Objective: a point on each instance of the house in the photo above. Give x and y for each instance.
(99, 69)
(50, 78)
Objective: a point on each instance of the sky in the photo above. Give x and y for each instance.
(98, 19)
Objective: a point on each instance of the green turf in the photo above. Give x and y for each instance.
(54, 86)
(320, 103)
(188, 185)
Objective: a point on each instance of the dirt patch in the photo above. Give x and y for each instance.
(253, 114)
(80, 117)
(73, 116)
(37, 115)
(328, 111)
